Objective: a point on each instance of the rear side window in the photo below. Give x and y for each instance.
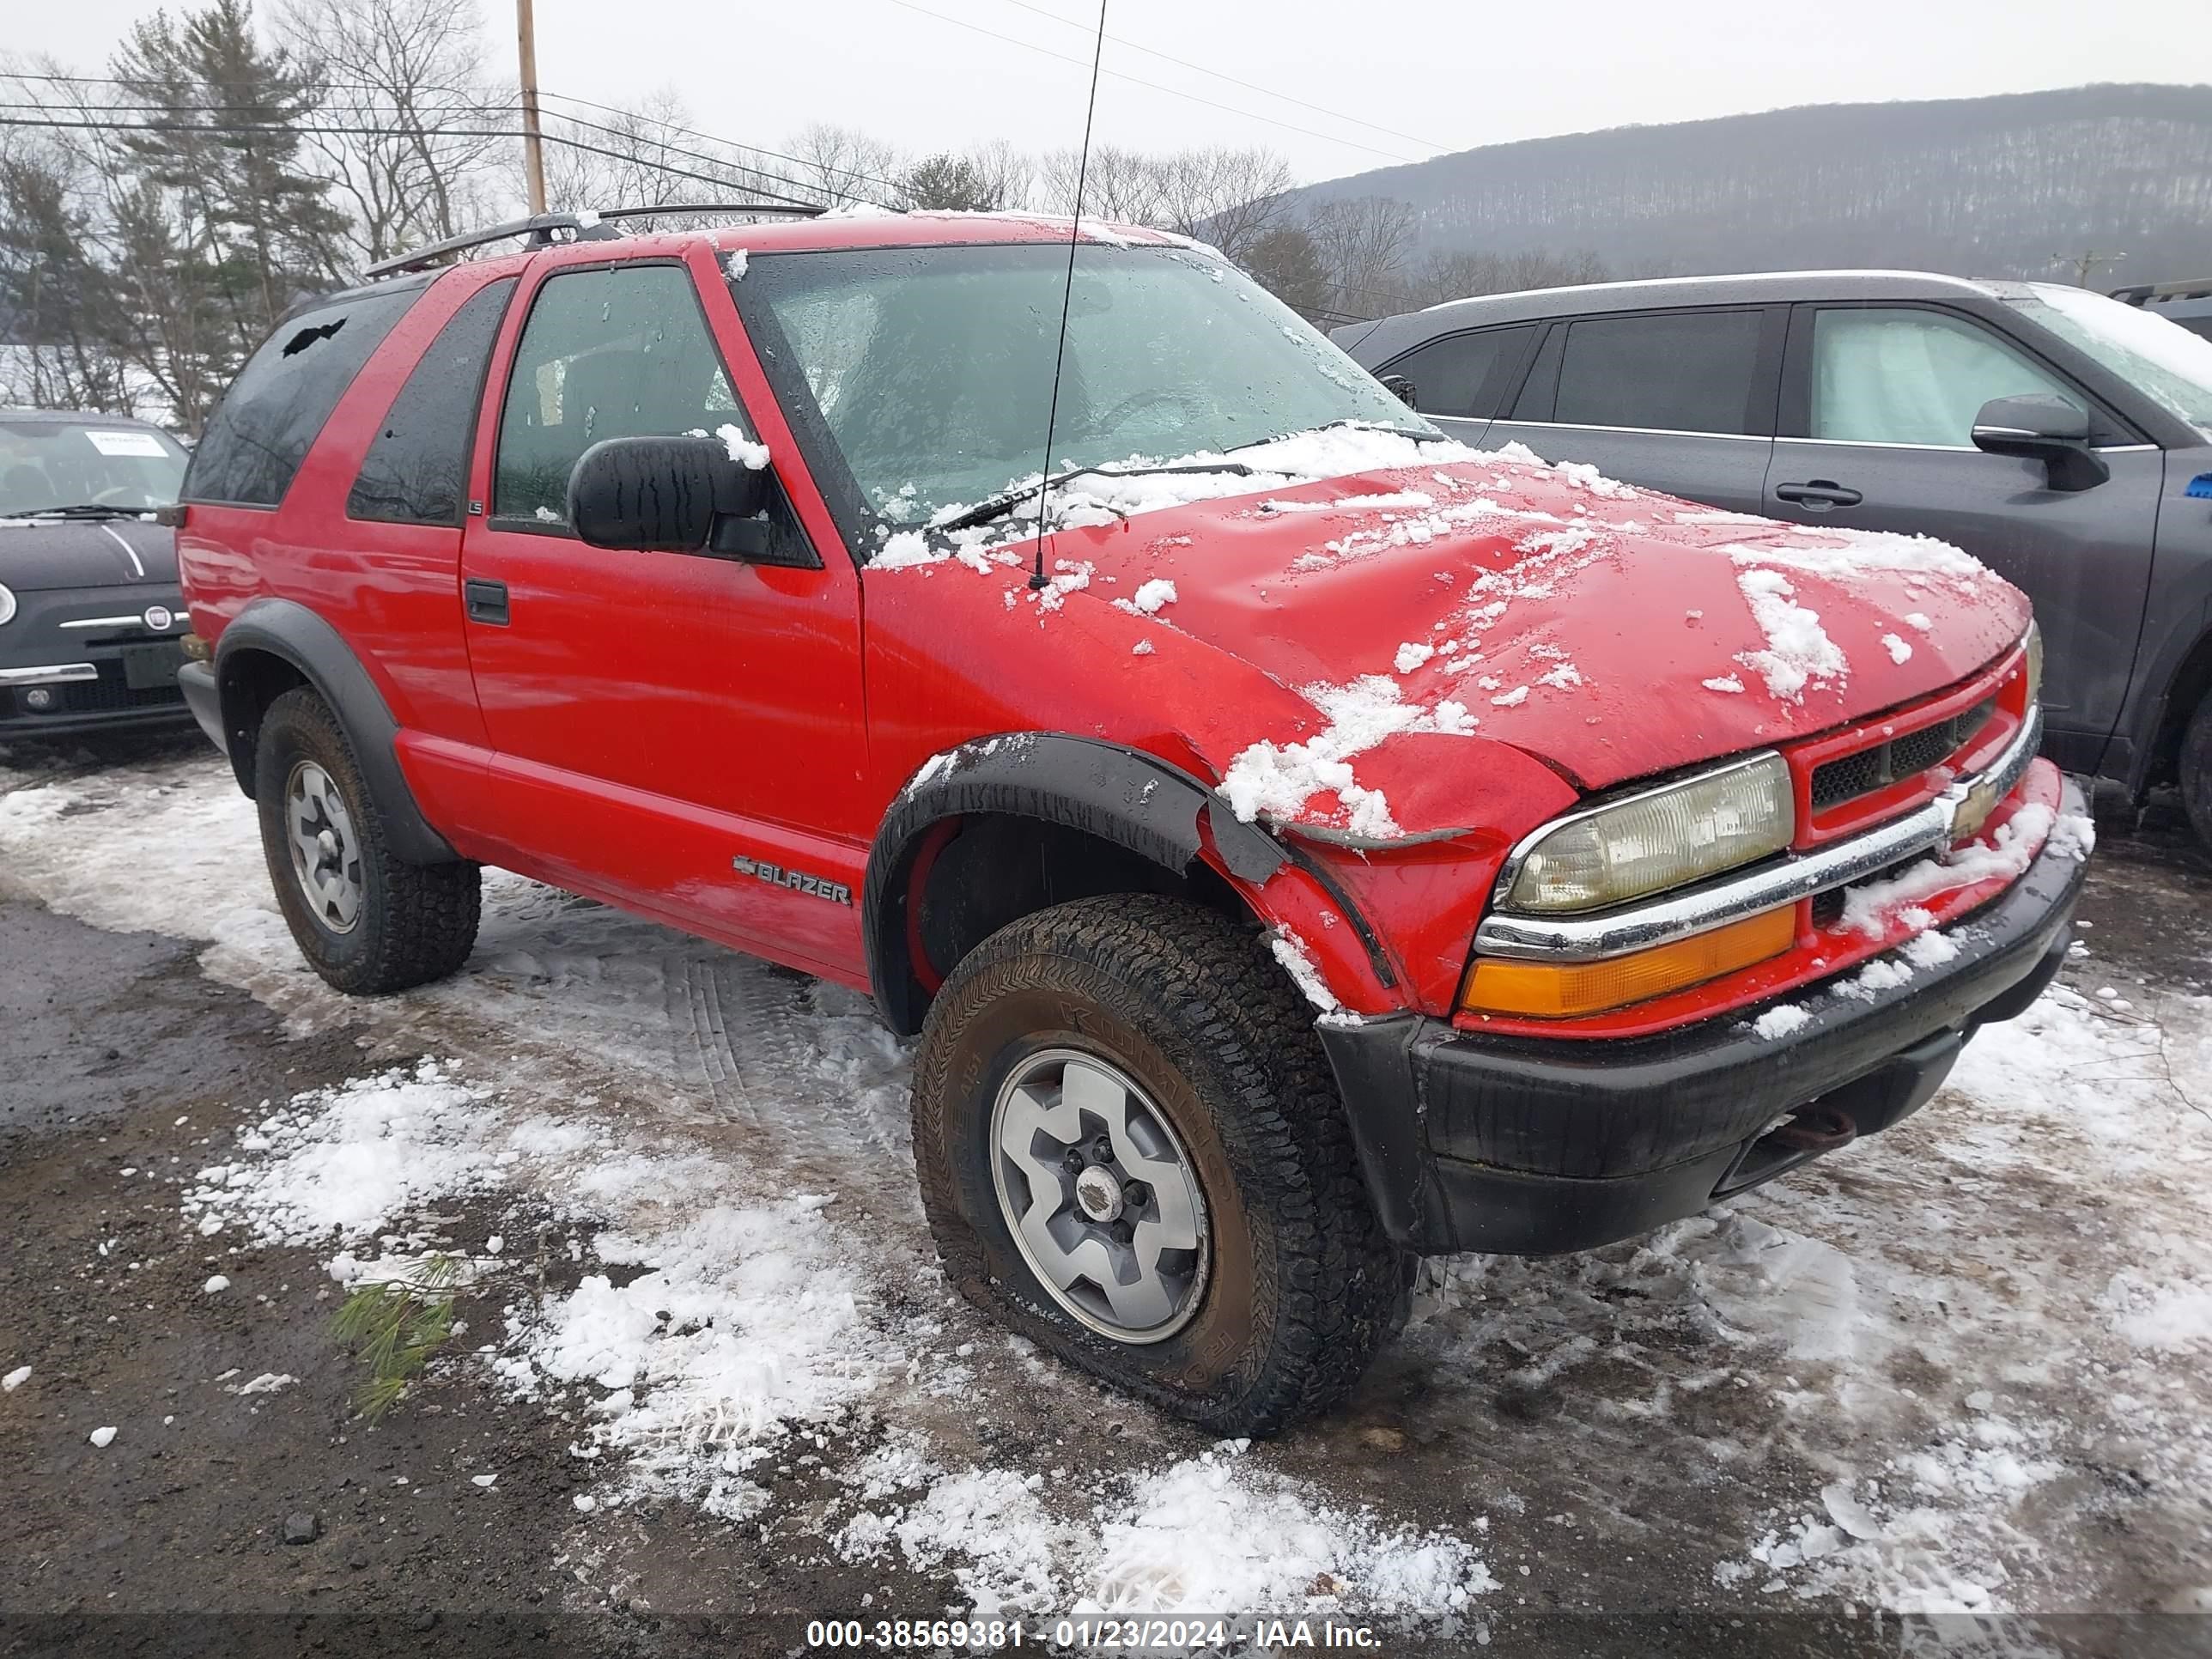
(1463, 375)
(267, 422)
(1671, 371)
(1913, 377)
(617, 352)
(416, 471)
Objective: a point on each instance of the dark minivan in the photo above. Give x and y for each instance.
(2060, 436)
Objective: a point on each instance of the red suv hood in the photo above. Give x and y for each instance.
(1608, 631)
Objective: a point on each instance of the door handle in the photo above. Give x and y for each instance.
(485, 602)
(1818, 495)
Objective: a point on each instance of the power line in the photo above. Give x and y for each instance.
(1250, 86)
(1139, 80)
(233, 129)
(891, 185)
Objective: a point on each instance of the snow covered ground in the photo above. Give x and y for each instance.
(1921, 1376)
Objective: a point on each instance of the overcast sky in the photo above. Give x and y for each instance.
(1348, 86)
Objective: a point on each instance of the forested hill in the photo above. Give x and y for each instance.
(1984, 186)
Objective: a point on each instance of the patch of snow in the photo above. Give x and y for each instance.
(102, 1436)
(1278, 780)
(1781, 1021)
(215, 1283)
(1899, 652)
(1297, 959)
(1726, 683)
(1798, 652)
(1151, 595)
(1141, 648)
(1401, 498)
(748, 453)
(15, 1379)
(1412, 655)
(267, 1383)
(1918, 619)
(1512, 699)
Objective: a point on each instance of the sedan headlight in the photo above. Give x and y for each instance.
(7, 607)
(1665, 838)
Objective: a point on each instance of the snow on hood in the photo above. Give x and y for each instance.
(1418, 596)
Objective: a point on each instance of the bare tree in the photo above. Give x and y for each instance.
(1229, 197)
(1118, 183)
(1362, 242)
(402, 77)
(832, 163)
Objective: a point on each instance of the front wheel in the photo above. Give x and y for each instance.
(368, 922)
(2195, 769)
(1131, 1150)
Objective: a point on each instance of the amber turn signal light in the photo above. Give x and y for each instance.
(1560, 990)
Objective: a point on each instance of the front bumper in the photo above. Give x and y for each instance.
(1530, 1146)
(87, 660)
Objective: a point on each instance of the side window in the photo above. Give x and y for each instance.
(416, 471)
(1541, 390)
(1691, 371)
(1463, 374)
(1912, 377)
(620, 351)
(261, 431)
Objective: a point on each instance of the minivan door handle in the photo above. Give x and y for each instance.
(485, 602)
(1818, 495)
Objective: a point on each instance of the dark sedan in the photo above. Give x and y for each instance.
(90, 613)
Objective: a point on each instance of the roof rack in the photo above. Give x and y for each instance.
(2142, 293)
(540, 228)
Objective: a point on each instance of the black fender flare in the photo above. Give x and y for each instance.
(1126, 796)
(290, 631)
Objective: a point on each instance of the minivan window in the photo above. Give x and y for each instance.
(615, 351)
(2154, 354)
(1462, 375)
(261, 431)
(416, 470)
(1913, 377)
(45, 465)
(1669, 371)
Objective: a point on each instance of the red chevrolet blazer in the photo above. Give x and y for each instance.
(1298, 842)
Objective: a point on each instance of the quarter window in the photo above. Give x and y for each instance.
(1462, 375)
(261, 431)
(618, 352)
(1671, 371)
(416, 470)
(1913, 377)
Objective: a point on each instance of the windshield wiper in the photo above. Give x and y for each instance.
(1418, 435)
(78, 510)
(994, 506)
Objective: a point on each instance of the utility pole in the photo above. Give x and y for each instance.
(2085, 264)
(533, 146)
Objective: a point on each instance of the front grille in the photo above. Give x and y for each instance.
(1847, 777)
(110, 694)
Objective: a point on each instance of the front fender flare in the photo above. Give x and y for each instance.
(288, 630)
(1126, 796)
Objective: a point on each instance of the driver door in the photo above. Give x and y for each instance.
(664, 726)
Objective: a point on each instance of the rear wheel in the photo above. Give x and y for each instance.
(368, 922)
(1131, 1150)
(2195, 769)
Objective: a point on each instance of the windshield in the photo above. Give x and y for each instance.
(2161, 358)
(931, 368)
(51, 464)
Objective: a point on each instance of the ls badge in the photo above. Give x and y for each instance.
(797, 880)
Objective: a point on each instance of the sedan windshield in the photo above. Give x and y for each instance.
(930, 370)
(2158, 357)
(49, 465)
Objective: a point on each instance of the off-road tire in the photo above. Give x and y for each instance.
(1304, 1286)
(417, 922)
(2196, 770)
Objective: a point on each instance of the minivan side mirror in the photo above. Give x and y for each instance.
(1400, 388)
(669, 495)
(2046, 429)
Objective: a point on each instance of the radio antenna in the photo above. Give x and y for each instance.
(1067, 297)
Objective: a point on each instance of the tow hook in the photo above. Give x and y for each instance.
(1815, 1129)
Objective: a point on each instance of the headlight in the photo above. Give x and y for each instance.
(2034, 643)
(7, 607)
(1650, 842)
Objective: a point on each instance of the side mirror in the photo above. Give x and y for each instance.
(1400, 388)
(2046, 429)
(669, 495)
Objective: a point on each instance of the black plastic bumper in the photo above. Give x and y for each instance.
(1529, 1146)
(204, 698)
